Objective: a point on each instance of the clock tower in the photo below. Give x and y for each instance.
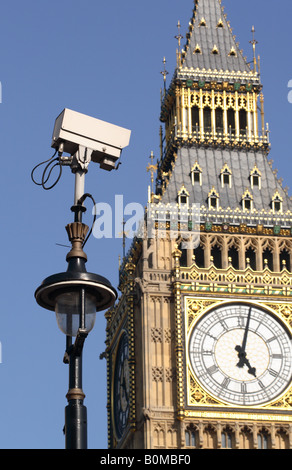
(199, 344)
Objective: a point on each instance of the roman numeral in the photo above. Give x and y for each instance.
(224, 326)
(271, 339)
(261, 384)
(273, 373)
(207, 353)
(225, 383)
(277, 356)
(212, 369)
(241, 322)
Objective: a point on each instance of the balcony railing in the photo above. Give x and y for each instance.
(239, 282)
(216, 136)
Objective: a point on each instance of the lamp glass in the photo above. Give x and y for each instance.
(68, 310)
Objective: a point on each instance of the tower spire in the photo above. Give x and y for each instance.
(214, 93)
(152, 168)
(254, 42)
(123, 234)
(179, 37)
(164, 73)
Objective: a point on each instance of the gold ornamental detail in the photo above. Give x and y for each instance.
(197, 395)
(284, 311)
(285, 402)
(195, 308)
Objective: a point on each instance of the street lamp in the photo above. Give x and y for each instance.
(76, 295)
(61, 292)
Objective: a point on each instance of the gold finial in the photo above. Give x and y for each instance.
(179, 37)
(254, 42)
(164, 73)
(161, 143)
(124, 234)
(152, 168)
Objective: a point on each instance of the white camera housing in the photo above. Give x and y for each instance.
(74, 130)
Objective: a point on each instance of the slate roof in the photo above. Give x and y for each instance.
(212, 161)
(213, 34)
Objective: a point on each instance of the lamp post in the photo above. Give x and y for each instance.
(76, 296)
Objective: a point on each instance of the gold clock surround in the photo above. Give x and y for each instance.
(196, 396)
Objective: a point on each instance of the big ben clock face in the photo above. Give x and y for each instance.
(121, 386)
(241, 354)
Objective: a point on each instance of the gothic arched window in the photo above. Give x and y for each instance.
(225, 176)
(213, 199)
(231, 121)
(219, 120)
(242, 121)
(263, 440)
(247, 201)
(190, 437)
(195, 119)
(251, 257)
(256, 178)
(268, 259)
(196, 174)
(277, 202)
(233, 256)
(226, 439)
(207, 119)
(285, 260)
(216, 255)
(183, 197)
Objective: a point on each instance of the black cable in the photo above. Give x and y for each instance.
(80, 202)
(39, 164)
(48, 177)
(45, 178)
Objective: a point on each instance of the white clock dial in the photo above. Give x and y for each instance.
(241, 354)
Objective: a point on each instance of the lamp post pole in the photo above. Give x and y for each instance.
(58, 292)
(75, 412)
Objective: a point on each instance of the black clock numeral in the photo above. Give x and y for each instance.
(225, 383)
(263, 387)
(261, 384)
(271, 339)
(207, 353)
(224, 325)
(273, 373)
(211, 336)
(241, 322)
(212, 369)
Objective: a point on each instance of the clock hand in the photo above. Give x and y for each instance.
(125, 388)
(244, 361)
(251, 370)
(243, 346)
(241, 349)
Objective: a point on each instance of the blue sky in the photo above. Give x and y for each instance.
(102, 59)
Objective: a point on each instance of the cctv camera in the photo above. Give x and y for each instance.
(74, 130)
